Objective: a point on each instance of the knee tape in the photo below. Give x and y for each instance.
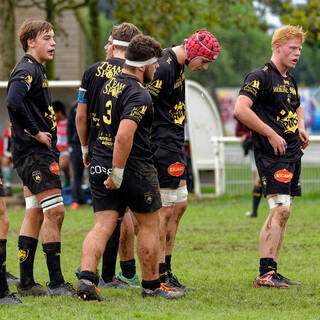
(182, 194)
(281, 200)
(51, 202)
(168, 197)
(32, 202)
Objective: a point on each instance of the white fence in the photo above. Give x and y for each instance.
(234, 169)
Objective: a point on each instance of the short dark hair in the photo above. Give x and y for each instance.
(59, 106)
(124, 32)
(30, 29)
(142, 48)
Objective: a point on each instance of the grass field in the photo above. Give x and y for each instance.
(216, 251)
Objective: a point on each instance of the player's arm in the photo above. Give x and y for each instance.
(16, 94)
(122, 148)
(243, 112)
(82, 122)
(302, 130)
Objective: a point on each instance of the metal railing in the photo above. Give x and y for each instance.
(234, 170)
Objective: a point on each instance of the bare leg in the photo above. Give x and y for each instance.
(178, 212)
(272, 233)
(126, 245)
(165, 215)
(148, 244)
(95, 241)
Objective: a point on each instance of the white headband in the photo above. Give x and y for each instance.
(141, 63)
(120, 43)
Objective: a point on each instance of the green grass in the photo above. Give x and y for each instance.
(216, 251)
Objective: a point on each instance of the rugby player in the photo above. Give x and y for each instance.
(167, 138)
(87, 121)
(6, 297)
(122, 172)
(36, 158)
(269, 104)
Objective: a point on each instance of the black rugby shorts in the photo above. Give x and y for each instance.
(39, 172)
(279, 176)
(139, 189)
(170, 165)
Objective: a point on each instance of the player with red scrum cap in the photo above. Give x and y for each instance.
(167, 139)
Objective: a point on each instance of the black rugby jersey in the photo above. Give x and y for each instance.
(168, 94)
(92, 81)
(125, 97)
(275, 101)
(35, 113)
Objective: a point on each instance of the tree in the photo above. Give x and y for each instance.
(7, 38)
(161, 19)
(53, 10)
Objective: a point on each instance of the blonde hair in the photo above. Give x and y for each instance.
(286, 33)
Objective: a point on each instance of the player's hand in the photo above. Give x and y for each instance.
(85, 156)
(304, 137)
(109, 184)
(43, 137)
(278, 144)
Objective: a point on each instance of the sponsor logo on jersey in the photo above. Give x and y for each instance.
(45, 83)
(54, 168)
(178, 113)
(176, 169)
(114, 87)
(107, 70)
(50, 115)
(23, 255)
(157, 84)
(289, 121)
(252, 87)
(36, 176)
(138, 112)
(148, 198)
(169, 60)
(29, 78)
(283, 176)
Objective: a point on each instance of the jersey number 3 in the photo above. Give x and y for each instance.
(107, 116)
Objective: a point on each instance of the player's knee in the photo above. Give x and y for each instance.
(52, 207)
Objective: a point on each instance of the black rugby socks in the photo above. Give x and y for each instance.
(27, 250)
(52, 252)
(3, 257)
(256, 197)
(109, 258)
(266, 265)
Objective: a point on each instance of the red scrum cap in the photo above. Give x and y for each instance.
(202, 44)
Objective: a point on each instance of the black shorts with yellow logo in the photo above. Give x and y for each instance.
(279, 176)
(39, 172)
(170, 165)
(139, 189)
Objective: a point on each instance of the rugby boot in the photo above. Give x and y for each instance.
(9, 298)
(63, 289)
(11, 279)
(129, 282)
(77, 272)
(270, 280)
(34, 290)
(86, 290)
(288, 281)
(163, 291)
(115, 283)
(173, 282)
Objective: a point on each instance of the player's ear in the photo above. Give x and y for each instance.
(30, 43)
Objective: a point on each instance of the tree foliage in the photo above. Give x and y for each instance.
(7, 38)
(161, 19)
(53, 11)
